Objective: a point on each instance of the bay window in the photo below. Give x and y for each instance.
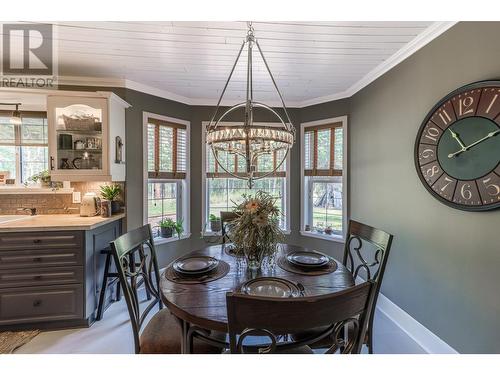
(324, 198)
(24, 147)
(166, 151)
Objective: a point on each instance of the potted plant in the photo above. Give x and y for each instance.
(43, 177)
(215, 223)
(256, 232)
(111, 193)
(168, 226)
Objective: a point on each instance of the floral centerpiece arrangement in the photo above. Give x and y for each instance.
(256, 232)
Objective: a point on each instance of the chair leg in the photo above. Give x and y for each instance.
(118, 291)
(369, 342)
(102, 294)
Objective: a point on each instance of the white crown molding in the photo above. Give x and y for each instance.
(422, 39)
(429, 34)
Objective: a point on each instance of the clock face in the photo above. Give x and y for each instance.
(457, 151)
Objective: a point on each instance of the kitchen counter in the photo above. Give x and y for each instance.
(56, 223)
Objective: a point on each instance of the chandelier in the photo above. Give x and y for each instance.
(247, 140)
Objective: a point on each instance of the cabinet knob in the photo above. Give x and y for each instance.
(38, 277)
(37, 303)
(37, 260)
(37, 241)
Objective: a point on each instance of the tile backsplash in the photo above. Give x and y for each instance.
(49, 203)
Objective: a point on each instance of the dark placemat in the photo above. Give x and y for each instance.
(221, 271)
(284, 264)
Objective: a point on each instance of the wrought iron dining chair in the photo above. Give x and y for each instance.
(226, 217)
(135, 258)
(366, 252)
(368, 263)
(274, 317)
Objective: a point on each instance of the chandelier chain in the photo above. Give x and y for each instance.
(249, 141)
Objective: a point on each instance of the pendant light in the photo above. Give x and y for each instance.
(15, 118)
(250, 141)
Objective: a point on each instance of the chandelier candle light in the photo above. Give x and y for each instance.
(250, 141)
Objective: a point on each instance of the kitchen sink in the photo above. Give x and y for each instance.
(9, 218)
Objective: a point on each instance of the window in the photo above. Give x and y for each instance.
(323, 175)
(223, 191)
(167, 165)
(23, 148)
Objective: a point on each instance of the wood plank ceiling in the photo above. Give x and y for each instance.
(192, 59)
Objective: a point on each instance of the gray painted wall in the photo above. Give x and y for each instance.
(443, 268)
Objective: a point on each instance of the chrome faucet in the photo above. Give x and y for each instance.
(31, 209)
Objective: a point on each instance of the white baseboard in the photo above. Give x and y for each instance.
(430, 342)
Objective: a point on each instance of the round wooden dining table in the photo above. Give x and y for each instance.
(204, 304)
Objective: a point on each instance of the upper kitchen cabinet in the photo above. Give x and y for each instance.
(86, 136)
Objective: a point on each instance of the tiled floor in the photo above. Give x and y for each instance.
(113, 334)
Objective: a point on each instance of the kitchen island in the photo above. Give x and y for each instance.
(51, 269)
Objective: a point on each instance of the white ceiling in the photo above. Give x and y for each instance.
(190, 61)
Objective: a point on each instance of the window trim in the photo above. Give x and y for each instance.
(185, 193)
(204, 228)
(304, 190)
(18, 143)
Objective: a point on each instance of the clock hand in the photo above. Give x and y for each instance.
(491, 134)
(457, 138)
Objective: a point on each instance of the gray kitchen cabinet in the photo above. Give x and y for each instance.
(52, 279)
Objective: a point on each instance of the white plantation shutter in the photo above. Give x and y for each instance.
(181, 150)
(323, 149)
(167, 150)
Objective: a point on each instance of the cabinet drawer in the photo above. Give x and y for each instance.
(35, 304)
(40, 276)
(41, 240)
(40, 258)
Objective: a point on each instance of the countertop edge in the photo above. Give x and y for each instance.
(84, 227)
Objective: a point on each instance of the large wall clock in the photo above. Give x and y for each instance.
(457, 150)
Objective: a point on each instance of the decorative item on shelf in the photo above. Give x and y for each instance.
(215, 223)
(307, 228)
(65, 142)
(118, 150)
(249, 141)
(105, 208)
(329, 230)
(93, 143)
(77, 163)
(65, 164)
(82, 122)
(79, 145)
(10, 181)
(112, 193)
(168, 226)
(256, 232)
(4, 175)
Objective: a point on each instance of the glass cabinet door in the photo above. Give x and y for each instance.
(80, 137)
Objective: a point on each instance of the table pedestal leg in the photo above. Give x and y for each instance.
(184, 337)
